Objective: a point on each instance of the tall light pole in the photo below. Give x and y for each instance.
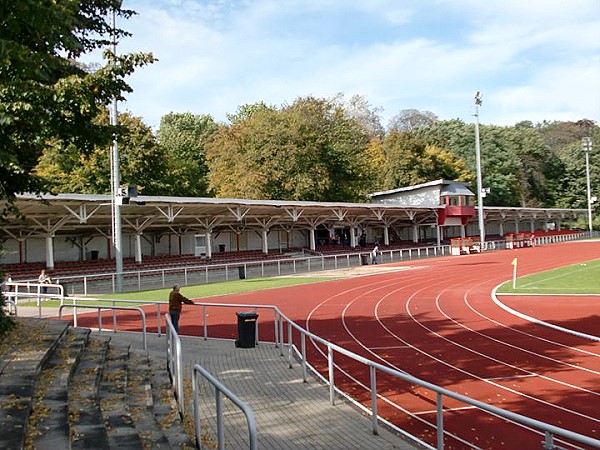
(479, 182)
(586, 146)
(116, 197)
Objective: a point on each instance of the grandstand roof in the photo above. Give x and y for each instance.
(77, 214)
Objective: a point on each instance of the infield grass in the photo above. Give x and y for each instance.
(582, 278)
(194, 292)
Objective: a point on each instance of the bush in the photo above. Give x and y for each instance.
(6, 322)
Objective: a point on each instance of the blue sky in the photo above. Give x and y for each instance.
(532, 59)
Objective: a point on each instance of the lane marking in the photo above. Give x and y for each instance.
(514, 377)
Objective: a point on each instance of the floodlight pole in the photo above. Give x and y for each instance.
(586, 146)
(116, 197)
(479, 182)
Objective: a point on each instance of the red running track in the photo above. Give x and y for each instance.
(437, 321)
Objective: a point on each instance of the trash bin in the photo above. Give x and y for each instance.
(94, 255)
(221, 248)
(364, 260)
(246, 329)
(242, 272)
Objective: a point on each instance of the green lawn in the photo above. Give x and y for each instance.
(582, 278)
(197, 291)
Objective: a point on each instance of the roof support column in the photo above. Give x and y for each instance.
(138, 248)
(265, 240)
(501, 227)
(386, 235)
(438, 234)
(50, 251)
(311, 235)
(462, 231)
(209, 250)
(415, 229)
(353, 237)
(516, 225)
(532, 226)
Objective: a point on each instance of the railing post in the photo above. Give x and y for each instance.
(197, 428)
(204, 323)
(158, 318)
(548, 441)
(276, 317)
(303, 344)
(220, 426)
(440, 421)
(281, 335)
(290, 344)
(374, 425)
(331, 380)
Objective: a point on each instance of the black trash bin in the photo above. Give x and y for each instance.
(221, 248)
(246, 329)
(242, 272)
(94, 255)
(364, 260)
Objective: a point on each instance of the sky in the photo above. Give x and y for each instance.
(531, 59)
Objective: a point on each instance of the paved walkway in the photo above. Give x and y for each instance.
(289, 414)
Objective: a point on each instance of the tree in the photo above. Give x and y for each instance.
(141, 162)
(309, 150)
(404, 153)
(359, 109)
(410, 119)
(183, 137)
(46, 97)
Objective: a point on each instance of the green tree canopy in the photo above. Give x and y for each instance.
(46, 97)
(141, 162)
(183, 138)
(309, 150)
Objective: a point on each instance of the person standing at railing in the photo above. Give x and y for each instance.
(176, 300)
(44, 278)
(374, 255)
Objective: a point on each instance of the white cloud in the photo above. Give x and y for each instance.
(534, 60)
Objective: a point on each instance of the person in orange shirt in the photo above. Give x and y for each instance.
(176, 300)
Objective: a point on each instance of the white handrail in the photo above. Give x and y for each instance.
(220, 388)
(175, 362)
(100, 308)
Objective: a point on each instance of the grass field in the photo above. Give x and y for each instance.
(583, 278)
(195, 292)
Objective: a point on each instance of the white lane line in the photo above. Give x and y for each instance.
(514, 377)
(433, 411)
(540, 322)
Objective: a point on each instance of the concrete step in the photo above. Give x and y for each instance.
(20, 365)
(120, 427)
(63, 388)
(85, 417)
(165, 406)
(49, 419)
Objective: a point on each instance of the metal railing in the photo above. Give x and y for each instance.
(175, 363)
(214, 273)
(220, 389)
(547, 430)
(13, 291)
(75, 306)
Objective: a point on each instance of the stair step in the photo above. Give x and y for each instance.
(87, 428)
(120, 427)
(19, 370)
(48, 422)
(165, 406)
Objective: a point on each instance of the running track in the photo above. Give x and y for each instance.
(436, 320)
